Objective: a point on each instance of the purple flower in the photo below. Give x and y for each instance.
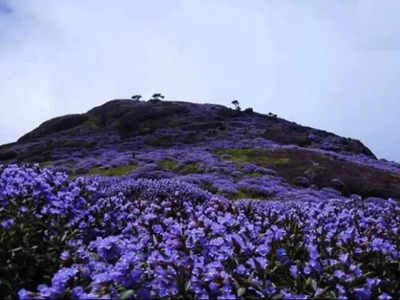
(217, 242)
(8, 223)
(261, 262)
(278, 232)
(384, 296)
(238, 241)
(136, 275)
(341, 291)
(307, 269)
(362, 293)
(46, 291)
(24, 294)
(294, 271)
(61, 278)
(78, 292)
(263, 249)
(157, 228)
(65, 255)
(289, 295)
(213, 287)
(313, 252)
(241, 270)
(356, 270)
(344, 258)
(315, 265)
(282, 256)
(339, 274)
(373, 282)
(377, 243)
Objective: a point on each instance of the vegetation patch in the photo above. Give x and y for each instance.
(257, 156)
(173, 166)
(209, 187)
(91, 123)
(116, 171)
(160, 142)
(46, 164)
(192, 139)
(396, 177)
(320, 169)
(247, 194)
(254, 174)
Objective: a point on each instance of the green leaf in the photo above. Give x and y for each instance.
(127, 294)
(308, 282)
(241, 291)
(314, 284)
(274, 269)
(64, 236)
(277, 296)
(17, 249)
(154, 239)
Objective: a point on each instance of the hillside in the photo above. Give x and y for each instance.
(165, 139)
(177, 200)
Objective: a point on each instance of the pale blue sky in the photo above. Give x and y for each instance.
(333, 65)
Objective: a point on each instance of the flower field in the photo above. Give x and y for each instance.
(126, 238)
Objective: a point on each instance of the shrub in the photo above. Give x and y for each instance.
(157, 96)
(236, 104)
(136, 97)
(36, 210)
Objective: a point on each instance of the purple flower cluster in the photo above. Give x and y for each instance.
(168, 238)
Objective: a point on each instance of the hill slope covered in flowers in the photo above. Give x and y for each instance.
(195, 209)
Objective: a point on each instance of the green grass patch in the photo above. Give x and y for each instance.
(173, 166)
(168, 164)
(45, 164)
(209, 187)
(161, 142)
(254, 175)
(246, 194)
(189, 168)
(91, 123)
(192, 139)
(257, 156)
(116, 171)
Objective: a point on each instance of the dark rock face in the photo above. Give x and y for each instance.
(6, 155)
(135, 127)
(286, 133)
(55, 125)
(145, 120)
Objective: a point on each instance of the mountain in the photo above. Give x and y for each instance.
(166, 139)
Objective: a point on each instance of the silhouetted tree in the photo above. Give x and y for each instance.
(157, 96)
(236, 104)
(136, 97)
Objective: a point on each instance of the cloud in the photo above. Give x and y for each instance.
(331, 65)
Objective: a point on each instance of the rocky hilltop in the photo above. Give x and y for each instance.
(238, 154)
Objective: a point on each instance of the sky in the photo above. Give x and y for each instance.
(332, 65)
